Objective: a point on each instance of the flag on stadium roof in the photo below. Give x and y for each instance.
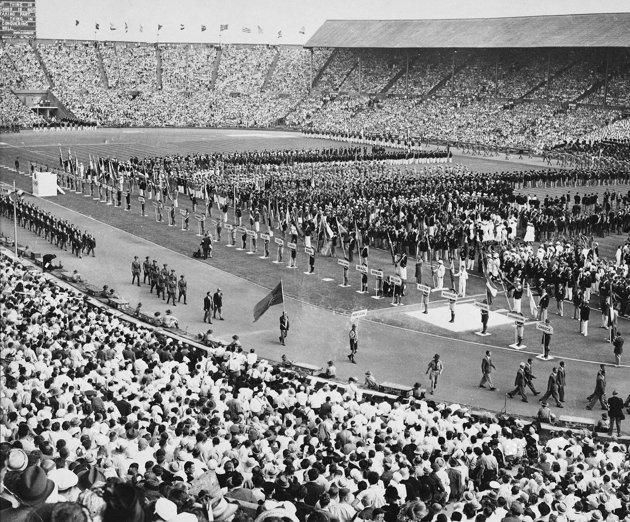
(279, 34)
(141, 29)
(112, 27)
(203, 28)
(223, 27)
(246, 29)
(76, 22)
(181, 27)
(126, 27)
(96, 27)
(302, 30)
(276, 296)
(160, 26)
(260, 30)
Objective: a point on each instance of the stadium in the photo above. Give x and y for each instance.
(314, 263)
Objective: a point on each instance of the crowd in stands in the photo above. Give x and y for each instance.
(130, 84)
(104, 419)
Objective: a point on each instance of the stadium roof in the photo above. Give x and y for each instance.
(582, 30)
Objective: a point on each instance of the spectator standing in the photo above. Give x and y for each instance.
(615, 412)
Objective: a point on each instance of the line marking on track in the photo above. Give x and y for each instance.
(485, 345)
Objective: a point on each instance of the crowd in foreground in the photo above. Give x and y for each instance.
(105, 420)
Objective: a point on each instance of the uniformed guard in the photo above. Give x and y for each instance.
(136, 269)
(354, 343)
(182, 286)
(171, 291)
(146, 268)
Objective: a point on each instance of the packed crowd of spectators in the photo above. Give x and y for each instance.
(526, 126)
(129, 84)
(104, 419)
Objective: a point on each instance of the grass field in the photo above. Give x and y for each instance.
(399, 331)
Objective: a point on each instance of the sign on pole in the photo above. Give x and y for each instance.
(361, 268)
(309, 251)
(279, 242)
(343, 262)
(482, 306)
(544, 327)
(376, 273)
(355, 316)
(425, 289)
(449, 294)
(264, 237)
(395, 280)
(291, 246)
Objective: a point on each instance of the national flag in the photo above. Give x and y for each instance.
(223, 27)
(112, 27)
(260, 29)
(302, 30)
(97, 27)
(391, 249)
(160, 27)
(357, 236)
(276, 296)
(76, 22)
(341, 229)
(246, 29)
(141, 29)
(203, 28)
(493, 291)
(279, 34)
(533, 309)
(181, 27)
(126, 27)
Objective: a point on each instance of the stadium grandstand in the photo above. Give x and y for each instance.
(370, 270)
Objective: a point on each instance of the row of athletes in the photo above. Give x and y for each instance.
(164, 281)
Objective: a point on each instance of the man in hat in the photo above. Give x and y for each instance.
(136, 270)
(434, 370)
(354, 342)
(615, 411)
